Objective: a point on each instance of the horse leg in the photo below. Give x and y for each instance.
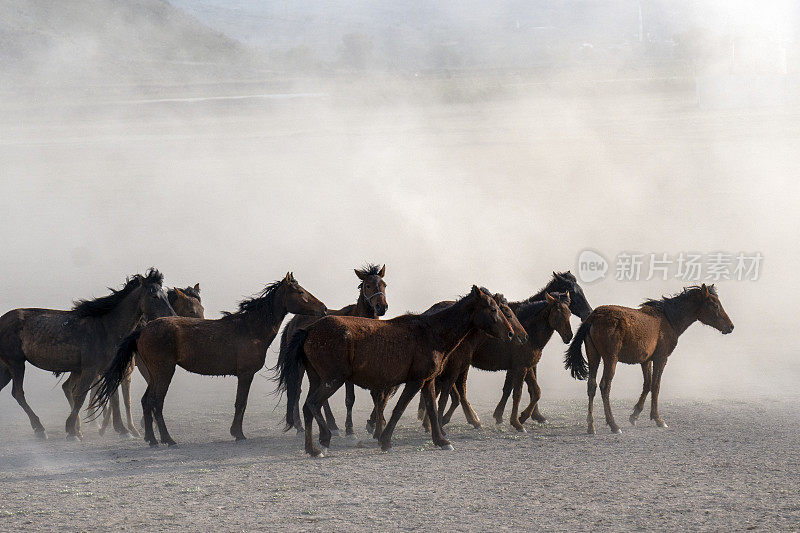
(411, 388)
(536, 393)
(329, 419)
(647, 373)
(80, 389)
(242, 392)
(507, 386)
(533, 380)
(455, 401)
(517, 378)
(446, 388)
(593, 360)
(145, 374)
(609, 366)
(658, 369)
(18, 375)
(349, 402)
(469, 412)
(318, 393)
(147, 409)
(429, 394)
(116, 415)
(380, 399)
(126, 399)
(158, 393)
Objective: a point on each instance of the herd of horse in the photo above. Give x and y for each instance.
(100, 341)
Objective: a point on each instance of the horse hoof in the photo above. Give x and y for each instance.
(41, 435)
(661, 424)
(370, 428)
(153, 444)
(134, 433)
(591, 431)
(633, 420)
(101, 431)
(241, 438)
(72, 437)
(125, 436)
(324, 451)
(172, 444)
(387, 450)
(447, 447)
(351, 436)
(318, 455)
(334, 433)
(522, 429)
(616, 431)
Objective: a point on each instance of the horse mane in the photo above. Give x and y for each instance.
(671, 306)
(569, 276)
(260, 303)
(105, 304)
(369, 269)
(188, 291)
(529, 307)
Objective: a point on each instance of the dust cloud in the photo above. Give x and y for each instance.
(457, 157)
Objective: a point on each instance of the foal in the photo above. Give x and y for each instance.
(645, 336)
(234, 345)
(380, 354)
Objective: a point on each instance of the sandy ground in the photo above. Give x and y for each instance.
(722, 465)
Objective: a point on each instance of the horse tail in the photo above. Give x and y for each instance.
(116, 372)
(573, 359)
(289, 372)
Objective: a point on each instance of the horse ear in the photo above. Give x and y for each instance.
(360, 274)
(180, 292)
(704, 288)
(383, 271)
(476, 291)
(197, 287)
(569, 299)
(549, 298)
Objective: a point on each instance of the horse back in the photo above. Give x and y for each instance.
(50, 339)
(634, 335)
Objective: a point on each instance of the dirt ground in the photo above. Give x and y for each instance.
(721, 465)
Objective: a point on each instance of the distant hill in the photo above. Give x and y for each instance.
(110, 40)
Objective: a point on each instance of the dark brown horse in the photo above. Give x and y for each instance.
(459, 359)
(81, 341)
(371, 303)
(645, 336)
(380, 354)
(185, 302)
(234, 345)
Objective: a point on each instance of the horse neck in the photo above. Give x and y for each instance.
(450, 325)
(686, 315)
(362, 307)
(538, 327)
(121, 320)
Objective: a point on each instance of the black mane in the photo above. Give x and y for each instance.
(104, 304)
(529, 307)
(260, 303)
(671, 306)
(368, 270)
(555, 284)
(188, 291)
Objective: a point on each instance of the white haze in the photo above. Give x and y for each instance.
(450, 179)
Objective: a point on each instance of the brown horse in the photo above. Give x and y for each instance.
(81, 341)
(371, 303)
(380, 354)
(234, 345)
(645, 336)
(459, 359)
(184, 302)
